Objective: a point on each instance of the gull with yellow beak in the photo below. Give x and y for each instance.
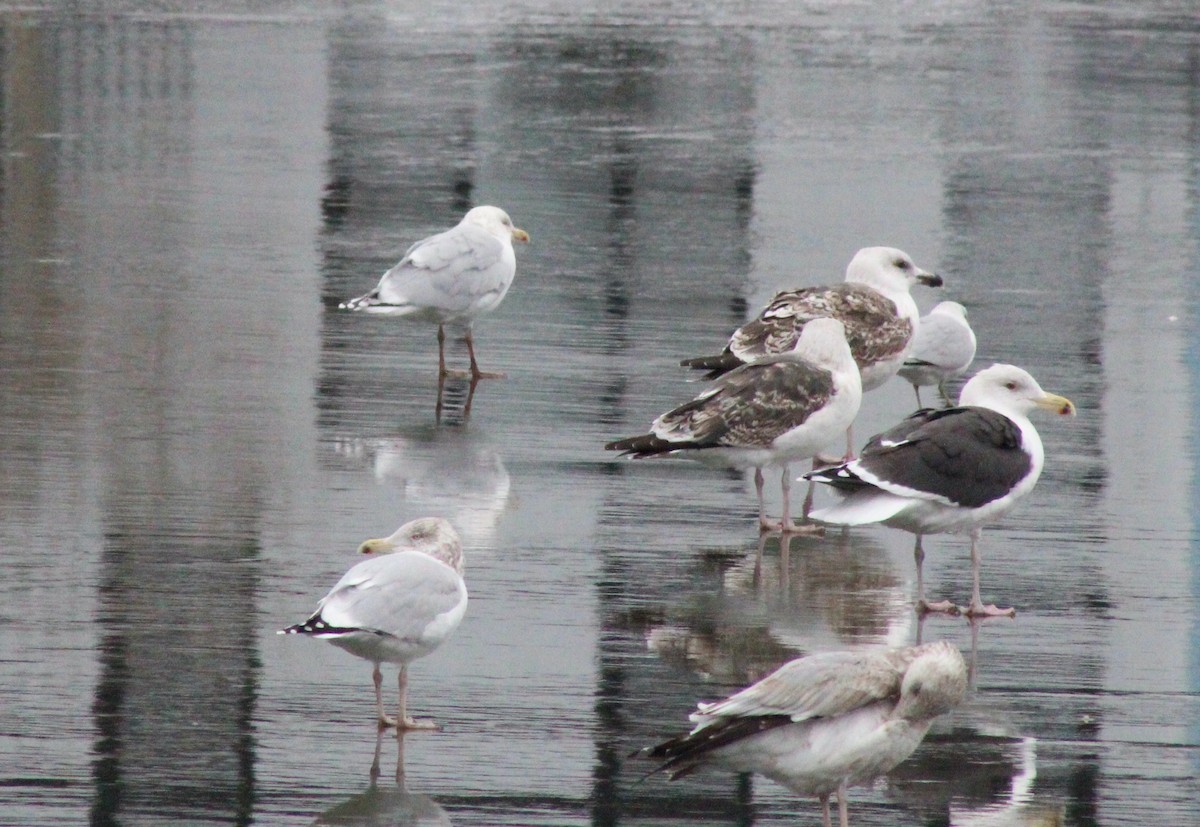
(397, 606)
(451, 278)
(952, 470)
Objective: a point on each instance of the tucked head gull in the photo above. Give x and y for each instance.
(823, 723)
(451, 278)
(396, 607)
(943, 349)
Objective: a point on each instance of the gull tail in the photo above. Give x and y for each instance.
(862, 507)
(715, 365)
(372, 303)
(315, 625)
(640, 447)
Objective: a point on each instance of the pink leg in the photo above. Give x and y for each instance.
(786, 525)
(843, 807)
(923, 605)
(825, 811)
(476, 373)
(977, 607)
(385, 720)
(763, 523)
(406, 721)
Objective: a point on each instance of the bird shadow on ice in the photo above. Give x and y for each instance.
(386, 802)
(443, 473)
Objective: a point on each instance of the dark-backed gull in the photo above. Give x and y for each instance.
(396, 607)
(451, 278)
(779, 409)
(951, 470)
(823, 723)
(943, 349)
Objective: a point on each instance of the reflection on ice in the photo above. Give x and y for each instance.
(448, 474)
(386, 805)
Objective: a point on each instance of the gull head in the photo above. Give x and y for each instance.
(823, 342)
(888, 270)
(934, 683)
(496, 222)
(428, 535)
(1010, 390)
(951, 309)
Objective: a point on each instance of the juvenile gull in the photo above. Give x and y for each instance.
(451, 278)
(952, 470)
(781, 408)
(943, 349)
(823, 723)
(396, 607)
(873, 303)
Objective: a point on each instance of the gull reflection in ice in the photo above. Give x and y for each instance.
(778, 599)
(977, 780)
(447, 473)
(385, 804)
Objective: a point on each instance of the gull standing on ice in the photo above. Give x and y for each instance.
(397, 606)
(952, 470)
(943, 350)
(450, 278)
(874, 304)
(779, 409)
(826, 722)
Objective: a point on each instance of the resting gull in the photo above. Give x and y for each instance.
(450, 278)
(396, 607)
(781, 408)
(826, 722)
(943, 350)
(952, 470)
(873, 303)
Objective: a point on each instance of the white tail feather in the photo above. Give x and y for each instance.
(862, 507)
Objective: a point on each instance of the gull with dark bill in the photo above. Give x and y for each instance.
(451, 278)
(823, 723)
(873, 303)
(397, 606)
(779, 409)
(952, 470)
(943, 350)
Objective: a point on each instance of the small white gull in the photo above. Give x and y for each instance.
(823, 723)
(770, 412)
(451, 278)
(951, 470)
(943, 350)
(397, 606)
(873, 302)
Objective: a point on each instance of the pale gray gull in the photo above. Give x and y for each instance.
(781, 408)
(826, 722)
(451, 278)
(951, 470)
(397, 606)
(943, 350)
(873, 302)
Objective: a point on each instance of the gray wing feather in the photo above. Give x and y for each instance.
(450, 270)
(817, 686)
(399, 593)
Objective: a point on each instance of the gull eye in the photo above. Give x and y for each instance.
(901, 263)
(1011, 385)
